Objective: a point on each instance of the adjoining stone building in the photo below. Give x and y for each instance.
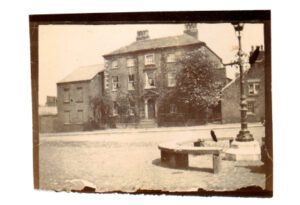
(48, 116)
(147, 67)
(255, 92)
(74, 94)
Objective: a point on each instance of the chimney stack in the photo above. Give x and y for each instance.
(191, 29)
(142, 35)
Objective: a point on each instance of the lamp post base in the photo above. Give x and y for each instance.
(244, 151)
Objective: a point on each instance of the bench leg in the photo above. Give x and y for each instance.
(216, 163)
(175, 160)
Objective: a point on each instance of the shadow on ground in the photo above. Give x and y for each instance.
(255, 169)
(157, 162)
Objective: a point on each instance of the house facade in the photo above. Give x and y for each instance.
(147, 68)
(255, 93)
(74, 94)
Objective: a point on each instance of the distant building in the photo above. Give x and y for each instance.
(147, 67)
(74, 94)
(255, 92)
(51, 101)
(48, 116)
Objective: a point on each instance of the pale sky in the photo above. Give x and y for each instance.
(64, 48)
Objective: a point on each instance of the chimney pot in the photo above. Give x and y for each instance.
(142, 35)
(191, 29)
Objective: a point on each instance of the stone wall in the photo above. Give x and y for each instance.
(75, 106)
(48, 123)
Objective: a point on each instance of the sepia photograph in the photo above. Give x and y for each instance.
(172, 103)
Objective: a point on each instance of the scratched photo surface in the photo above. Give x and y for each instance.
(153, 107)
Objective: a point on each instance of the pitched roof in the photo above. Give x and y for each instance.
(83, 73)
(171, 41)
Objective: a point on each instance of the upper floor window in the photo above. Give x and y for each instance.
(171, 58)
(115, 83)
(66, 95)
(171, 79)
(115, 64)
(149, 59)
(79, 94)
(131, 82)
(130, 62)
(149, 79)
(253, 88)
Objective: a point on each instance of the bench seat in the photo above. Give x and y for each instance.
(175, 154)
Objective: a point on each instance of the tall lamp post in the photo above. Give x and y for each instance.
(244, 134)
(244, 147)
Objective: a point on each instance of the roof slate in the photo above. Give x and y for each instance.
(171, 41)
(83, 73)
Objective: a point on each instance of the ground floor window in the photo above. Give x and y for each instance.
(171, 79)
(131, 111)
(250, 107)
(115, 109)
(80, 116)
(67, 117)
(173, 108)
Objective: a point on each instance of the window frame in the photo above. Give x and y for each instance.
(173, 108)
(171, 59)
(169, 74)
(251, 111)
(152, 61)
(69, 117)
(131, 82)
(149, 86)
(66, 93)
(255, 83)
(114, 64)
(128, 64)
(117, 83)
(115, 109)
(79, 97)
(80, 121)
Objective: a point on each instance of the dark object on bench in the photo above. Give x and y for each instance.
(213, 136)
(199, 143)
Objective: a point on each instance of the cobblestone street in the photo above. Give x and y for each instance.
(128, 161)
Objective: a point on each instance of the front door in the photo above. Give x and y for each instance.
(151, 109)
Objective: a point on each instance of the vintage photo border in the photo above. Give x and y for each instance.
(255, 16)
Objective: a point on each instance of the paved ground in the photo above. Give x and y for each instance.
(128, 160)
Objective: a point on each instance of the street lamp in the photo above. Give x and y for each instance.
(244, 147)
(244, 134)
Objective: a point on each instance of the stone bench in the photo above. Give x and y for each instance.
(176, 155)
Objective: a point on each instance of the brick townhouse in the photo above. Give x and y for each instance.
(147, 67)
(255, 92)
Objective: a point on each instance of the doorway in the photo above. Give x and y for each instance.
(151, 109)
